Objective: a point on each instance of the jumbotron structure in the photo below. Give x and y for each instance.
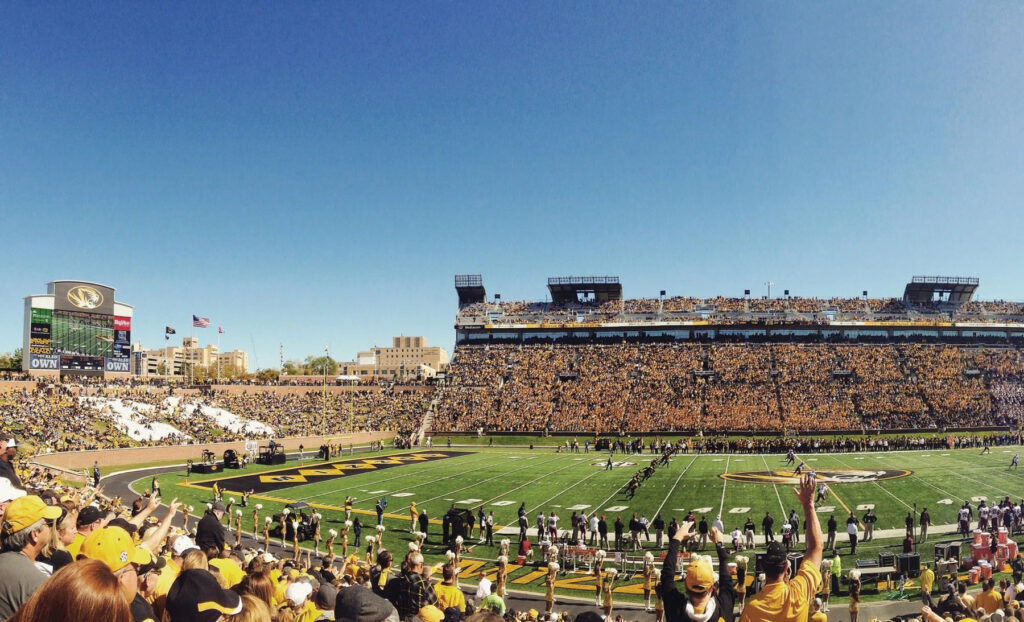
(590, 361)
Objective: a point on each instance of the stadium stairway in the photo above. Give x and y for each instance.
(428, 419)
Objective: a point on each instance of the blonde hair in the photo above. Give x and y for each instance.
(253, 610)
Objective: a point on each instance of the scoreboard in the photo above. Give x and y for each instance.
(81, 333)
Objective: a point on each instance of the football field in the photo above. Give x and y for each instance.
(733, 486)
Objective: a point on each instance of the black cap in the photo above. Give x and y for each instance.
(195, 596)
(776, 553)
(88, 515)
(358, 604)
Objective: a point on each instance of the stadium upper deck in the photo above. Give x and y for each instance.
(932, 307)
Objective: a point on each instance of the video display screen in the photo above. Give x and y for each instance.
(74, 333)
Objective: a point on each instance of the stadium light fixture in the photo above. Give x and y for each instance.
(769, 284)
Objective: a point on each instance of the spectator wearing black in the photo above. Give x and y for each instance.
(9, 449)
(700, 600)
(210, 531)
(411, 591)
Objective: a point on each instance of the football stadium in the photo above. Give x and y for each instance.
(571, 439)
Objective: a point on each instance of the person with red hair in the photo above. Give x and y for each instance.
(86, 590)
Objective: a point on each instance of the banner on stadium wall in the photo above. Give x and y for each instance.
(122, 323)
(86, 297)
(43, 362)
(117, 364)
(40, 337)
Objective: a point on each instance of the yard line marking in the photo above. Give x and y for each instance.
(507, 492)
(671, 490)
(725, 482)
(777, 495)
(561, 492)
(423, 502)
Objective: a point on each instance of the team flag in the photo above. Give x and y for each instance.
(220, 330)
(168, 330)
(200, 322)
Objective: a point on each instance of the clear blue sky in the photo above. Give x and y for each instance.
(311, 173)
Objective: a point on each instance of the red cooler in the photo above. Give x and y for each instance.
(973, 574)
(977, 536)
(986, 570)
(1011, 549)
(1004, 535)
(986, 538)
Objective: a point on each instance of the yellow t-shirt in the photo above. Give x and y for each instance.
(785, 602)
(229, 570)
(927, 579)
(989, 600)
(75, 547)
(168, 574)
(449, 596)
(819, 617)
(309, 613)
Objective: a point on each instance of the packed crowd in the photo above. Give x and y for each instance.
(633, 387)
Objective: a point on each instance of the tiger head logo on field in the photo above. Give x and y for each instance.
(825, 476)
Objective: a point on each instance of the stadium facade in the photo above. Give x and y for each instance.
(77, 328)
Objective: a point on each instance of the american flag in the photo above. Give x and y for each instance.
(200, 322)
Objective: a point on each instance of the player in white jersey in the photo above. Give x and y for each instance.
(1013, 463)
(822, 490)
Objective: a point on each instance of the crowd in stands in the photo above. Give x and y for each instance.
(59, 418)
(775, 387)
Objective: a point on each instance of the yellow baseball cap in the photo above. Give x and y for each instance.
(26, 510)
(700, 576)
(114, 547)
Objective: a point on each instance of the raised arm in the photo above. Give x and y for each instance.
(806, 496)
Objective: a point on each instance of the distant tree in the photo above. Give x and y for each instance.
(16, 358)
(292, 368)
(315, 365)
(267, 375)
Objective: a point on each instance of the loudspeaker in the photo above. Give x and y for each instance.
(909, 564)
(947, 550)
(886, 558)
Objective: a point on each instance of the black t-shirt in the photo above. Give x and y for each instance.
(58, 559)
(141, 610)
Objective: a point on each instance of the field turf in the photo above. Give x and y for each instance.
(501, 478)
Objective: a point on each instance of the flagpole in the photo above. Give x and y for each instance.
(191, 346)
(218, 355)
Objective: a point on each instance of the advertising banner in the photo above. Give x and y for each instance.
(45, 361)
(122, 323)
(118, 365)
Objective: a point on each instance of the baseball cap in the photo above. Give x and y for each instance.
(430, 613)
(298, 592)
(195, 596)
(358, 604)
(11, 443)
(700, 576)
(776, 553)
(24, 511)
(88, 515)
(9, 492)
(218, 505)
(156, 562)
(182, 544)
(326, 597)
(114, 547)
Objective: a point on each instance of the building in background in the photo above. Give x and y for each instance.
(407, 358)
(175, 360)
(77, 328)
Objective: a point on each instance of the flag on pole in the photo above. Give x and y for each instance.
(168, 331)
(200, 322)
(220, 330)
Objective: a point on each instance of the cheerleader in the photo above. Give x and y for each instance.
(329, 547)
(266, 534)
(256, 518)
(238, 528)
(227, 511)
(284, 526)
(370, 542)
(344, 539)
(598, 576)
(608, 581)
(503, 547)
(316, 532)
(549, 588)
(648, 574)
(458, 550)
(295, 539)
(501, 576)
(826, 583)
(659, 604)
(854, 595)
(185, 514)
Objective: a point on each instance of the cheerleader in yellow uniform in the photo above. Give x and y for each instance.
(413, 515)
(598, 576)
(549, 588)
(659, 604)
(648, 575)
(501, 576)
(609, 580)
(266, 533)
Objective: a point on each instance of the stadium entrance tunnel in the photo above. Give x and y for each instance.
(825, 476)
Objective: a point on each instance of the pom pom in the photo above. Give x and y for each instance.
(334, 534)
(269, 520)
(855, 575)
(458, 539)
(743, 560)
(648, 556)
(231, 500)
(505, 542)
(259, 506)
(209, 506)
(553, 566)
(449, 554)
(826, 564)
(612, 571)
(238, 512)
(422, 535)
(503, 559)
(287, 511)
(348, 523)
(414, 547)
(380, 528)
(761, 577)
(370, 539)
(601, 554)
(317, 515)
(190, 509)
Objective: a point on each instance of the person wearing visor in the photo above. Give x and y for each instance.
(703, 599)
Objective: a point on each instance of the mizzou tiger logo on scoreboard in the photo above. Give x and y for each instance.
(826, 476)
(85, 297)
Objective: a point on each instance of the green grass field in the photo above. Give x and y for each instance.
(501, 478)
